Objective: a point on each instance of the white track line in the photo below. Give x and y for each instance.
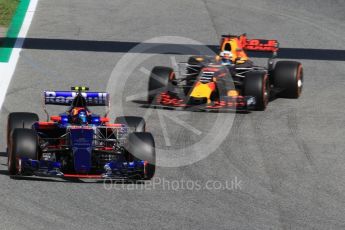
(7, 69)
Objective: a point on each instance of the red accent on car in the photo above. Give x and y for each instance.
(261, 45)
(105, 119)
(55, 118)
(212, 86)
(145, 165)
(106, 148)
(114, 125)
(79, 127)
(46, 125)
(87, 176)
(210, 69)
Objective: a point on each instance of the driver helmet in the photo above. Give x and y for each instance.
(79, 115)
(226, 57)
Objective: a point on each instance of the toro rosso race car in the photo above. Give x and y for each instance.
(229, 81)
(78, 143)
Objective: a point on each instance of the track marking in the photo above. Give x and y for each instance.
(7, 69)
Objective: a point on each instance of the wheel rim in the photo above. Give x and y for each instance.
(265, 92)
(299, 80)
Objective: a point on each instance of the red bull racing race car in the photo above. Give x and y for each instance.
(79, 143)
(229, 81)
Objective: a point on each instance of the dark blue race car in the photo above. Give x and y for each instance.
(78, 143)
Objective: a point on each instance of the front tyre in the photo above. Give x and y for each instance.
(19, 120)
(141, 146)
(23, 145)
(288, 78)
(159, 81)
(256, 84)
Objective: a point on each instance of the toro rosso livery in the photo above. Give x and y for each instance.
(79, 143)
(228, 81)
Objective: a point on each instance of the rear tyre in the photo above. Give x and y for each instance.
(288, 77)
(257, 84)
(142, 146)
(135, 124)
(159, 81)
(19, 120)
(23, 144)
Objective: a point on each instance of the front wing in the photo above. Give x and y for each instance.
(225, 104)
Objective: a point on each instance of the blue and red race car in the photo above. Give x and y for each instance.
(79, 143)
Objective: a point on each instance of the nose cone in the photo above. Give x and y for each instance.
(81, 144)
(201, 90)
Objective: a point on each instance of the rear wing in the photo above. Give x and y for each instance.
(67, 97)
(261, 45)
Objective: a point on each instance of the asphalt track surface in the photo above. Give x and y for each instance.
(290, 159)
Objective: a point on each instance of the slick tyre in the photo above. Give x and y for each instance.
(159, 81)
(288, 78)
(19, 120)
(257, 84)
(23, 144)
(142, 146)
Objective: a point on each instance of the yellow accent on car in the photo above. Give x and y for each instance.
(233, 93)
(201, 90)
(236, 50)
(80, 88)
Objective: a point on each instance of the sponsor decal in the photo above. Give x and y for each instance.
(66, 98)
(262, 45)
